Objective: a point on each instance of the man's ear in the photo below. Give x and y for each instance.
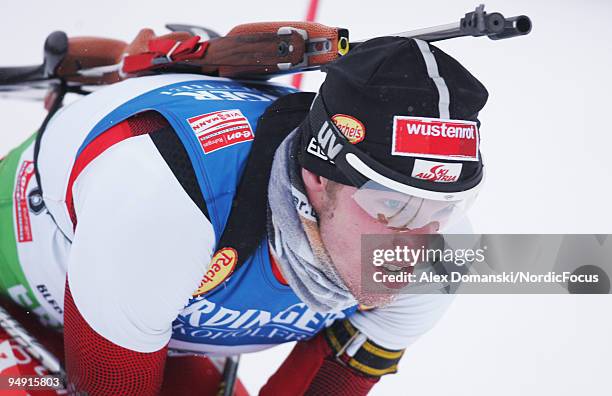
(315, 188)
(312, 181)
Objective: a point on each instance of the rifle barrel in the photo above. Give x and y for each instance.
(476, 23)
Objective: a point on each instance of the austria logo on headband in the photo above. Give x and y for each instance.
(435, 138)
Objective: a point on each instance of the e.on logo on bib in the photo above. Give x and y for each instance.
(221, 129)
(435, 138)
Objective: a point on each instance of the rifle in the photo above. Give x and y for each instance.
(253, 51)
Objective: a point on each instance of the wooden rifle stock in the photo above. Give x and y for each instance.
(248, 50)
(254, 50)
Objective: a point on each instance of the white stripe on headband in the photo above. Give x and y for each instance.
(432, 71)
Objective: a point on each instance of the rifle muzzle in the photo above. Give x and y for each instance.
(514, 26)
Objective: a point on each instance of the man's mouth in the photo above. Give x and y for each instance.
(431, 228)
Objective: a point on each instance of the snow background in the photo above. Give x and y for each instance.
(545, 141)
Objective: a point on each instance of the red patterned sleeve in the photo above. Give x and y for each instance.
(99, 367)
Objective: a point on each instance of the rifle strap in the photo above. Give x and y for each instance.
(246, 224)
(163, 51)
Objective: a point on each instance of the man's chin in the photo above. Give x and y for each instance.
(368, 298)
(374, 300)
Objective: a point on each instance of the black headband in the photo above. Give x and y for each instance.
(342, 157)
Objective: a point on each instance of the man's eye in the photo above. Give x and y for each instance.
(392, 206)
(391, 203)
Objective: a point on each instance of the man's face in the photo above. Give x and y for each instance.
(342, 222)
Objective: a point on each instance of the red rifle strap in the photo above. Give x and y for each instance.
(172, 50)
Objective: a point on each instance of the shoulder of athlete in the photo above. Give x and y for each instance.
(141, 245)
